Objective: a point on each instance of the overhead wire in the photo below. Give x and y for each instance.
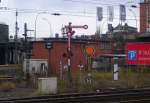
(68, 13)
(82, 14)
(97, 3)
(71, 12)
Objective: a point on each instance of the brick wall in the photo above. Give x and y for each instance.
(143, 17)
(60, 48)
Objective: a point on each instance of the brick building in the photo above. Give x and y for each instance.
(57, 55)
(145, 16)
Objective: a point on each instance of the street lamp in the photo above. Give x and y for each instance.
(50, 27)
(36, 18)
(134, 16)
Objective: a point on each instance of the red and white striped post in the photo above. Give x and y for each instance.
(70, 33)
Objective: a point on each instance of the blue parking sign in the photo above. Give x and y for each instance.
(132, 55)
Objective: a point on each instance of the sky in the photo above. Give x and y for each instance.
(79, 12)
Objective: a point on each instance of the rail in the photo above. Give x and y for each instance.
(122, 96)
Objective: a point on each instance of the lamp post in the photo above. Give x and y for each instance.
(134, 17)
(36, 18)
(35, 23)
(134, 14)
(50, 27)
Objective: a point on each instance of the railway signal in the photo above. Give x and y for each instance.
(68, 29)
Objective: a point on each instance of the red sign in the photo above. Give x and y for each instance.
(89, 51)
(138, 54)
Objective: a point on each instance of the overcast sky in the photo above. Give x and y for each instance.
(79, 12)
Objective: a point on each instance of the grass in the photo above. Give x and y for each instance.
(128, 78)
(18, 92)
(7, 86)
(37, 93)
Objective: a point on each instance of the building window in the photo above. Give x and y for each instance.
(106, 45)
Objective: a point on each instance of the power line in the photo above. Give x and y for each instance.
(38, 10)
(69, 13)
(47, 11)
(95, 3)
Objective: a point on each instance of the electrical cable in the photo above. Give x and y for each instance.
(82, 14)
(95, 3)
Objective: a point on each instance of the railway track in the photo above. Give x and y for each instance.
(121, 96)
(136, 101)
